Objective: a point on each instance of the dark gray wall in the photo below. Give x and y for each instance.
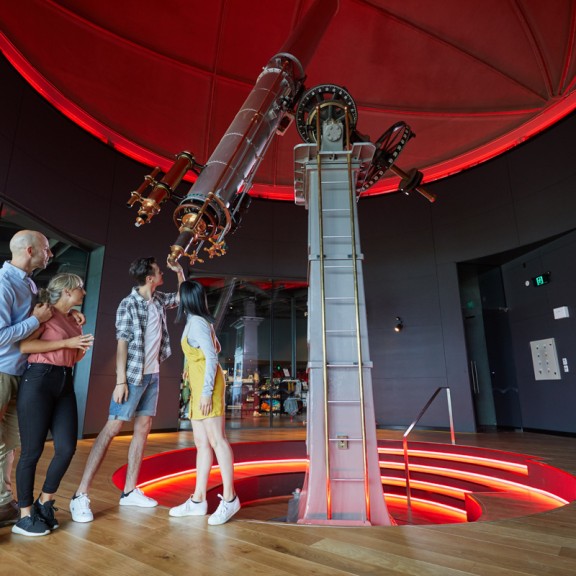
(412, 249)
(79, 186)
(545, 404)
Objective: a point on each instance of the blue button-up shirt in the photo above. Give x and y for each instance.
(16, 302)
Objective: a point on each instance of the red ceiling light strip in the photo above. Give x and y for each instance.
(77, 115)
(550, 115)
(540, 122)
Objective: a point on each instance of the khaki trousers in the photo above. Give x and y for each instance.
(9, 436)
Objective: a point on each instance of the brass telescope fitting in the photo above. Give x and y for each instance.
(162, 189)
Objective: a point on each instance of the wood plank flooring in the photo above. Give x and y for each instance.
(130, 541)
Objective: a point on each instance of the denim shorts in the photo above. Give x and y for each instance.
(142, 400)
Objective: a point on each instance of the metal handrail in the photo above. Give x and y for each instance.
(411, 427)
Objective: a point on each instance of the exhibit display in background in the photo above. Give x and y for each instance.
(261, 325)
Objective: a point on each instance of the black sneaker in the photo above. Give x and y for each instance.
(46, 513)
(31, 525)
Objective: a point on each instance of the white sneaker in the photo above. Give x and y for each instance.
(225, 511)
(137, 498)
(190, 508)
(80, 508)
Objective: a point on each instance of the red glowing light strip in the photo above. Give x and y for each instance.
(443, 489)
(482, 460)
(300, 464)
(485, 480)
(424, 504)
(254, 468)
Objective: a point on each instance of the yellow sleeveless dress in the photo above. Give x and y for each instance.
(195, 367)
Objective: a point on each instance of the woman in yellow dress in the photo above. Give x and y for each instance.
(207, 387)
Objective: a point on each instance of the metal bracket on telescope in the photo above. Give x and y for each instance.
(193, 258)
(216, 248)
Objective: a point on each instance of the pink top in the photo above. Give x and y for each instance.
(59, 327)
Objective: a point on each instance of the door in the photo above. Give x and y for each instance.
(499, 349)
(489, 346)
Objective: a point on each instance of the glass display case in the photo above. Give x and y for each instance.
(262, 327)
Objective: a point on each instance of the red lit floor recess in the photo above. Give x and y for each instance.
(449, 483)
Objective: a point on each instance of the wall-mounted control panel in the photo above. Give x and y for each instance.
(545, 359)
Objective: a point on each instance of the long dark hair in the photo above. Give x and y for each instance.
(193, 301)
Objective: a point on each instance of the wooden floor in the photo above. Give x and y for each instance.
(131, 541)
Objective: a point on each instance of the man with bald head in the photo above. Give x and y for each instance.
(19, 317)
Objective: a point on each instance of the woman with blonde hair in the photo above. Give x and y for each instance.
(201, 348)
(47, 402)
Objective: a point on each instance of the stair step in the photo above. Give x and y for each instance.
(347, 479)
(339, 298)
(353, 331)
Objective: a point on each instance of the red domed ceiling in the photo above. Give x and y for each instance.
(154, 77)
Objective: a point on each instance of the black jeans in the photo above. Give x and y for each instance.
(46, 403)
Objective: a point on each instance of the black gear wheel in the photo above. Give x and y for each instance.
(333, 101)
(388, 147)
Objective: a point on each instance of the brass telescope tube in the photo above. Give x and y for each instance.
(161, 189)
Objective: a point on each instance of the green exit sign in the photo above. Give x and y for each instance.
(541, 280)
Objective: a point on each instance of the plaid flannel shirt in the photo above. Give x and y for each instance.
(131, 319)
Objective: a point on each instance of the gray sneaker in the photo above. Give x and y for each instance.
(46, 513)
(31, 525)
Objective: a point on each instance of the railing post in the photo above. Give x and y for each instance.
(449, 400)
(405, 441)
(407, 474)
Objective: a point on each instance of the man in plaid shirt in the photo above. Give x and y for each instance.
(143, 343)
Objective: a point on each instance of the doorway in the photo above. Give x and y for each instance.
(68, 256)
(489, 347)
